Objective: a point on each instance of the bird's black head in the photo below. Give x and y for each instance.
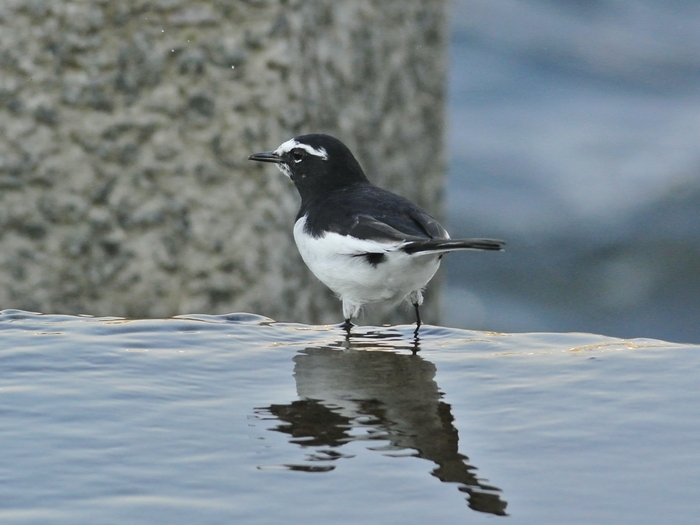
(315, 163)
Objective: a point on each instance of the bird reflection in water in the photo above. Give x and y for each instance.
(367, 388)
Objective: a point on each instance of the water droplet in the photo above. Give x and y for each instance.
(232, 67)
(162, 30)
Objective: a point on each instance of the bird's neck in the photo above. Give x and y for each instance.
(309, 197)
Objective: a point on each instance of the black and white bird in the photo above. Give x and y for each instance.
(366, 244)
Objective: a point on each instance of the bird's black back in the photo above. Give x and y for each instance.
(368, 212)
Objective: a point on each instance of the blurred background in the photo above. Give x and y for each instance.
(573, 134)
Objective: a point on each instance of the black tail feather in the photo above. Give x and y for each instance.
(448, 245)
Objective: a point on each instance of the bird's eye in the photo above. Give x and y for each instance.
(297, 155)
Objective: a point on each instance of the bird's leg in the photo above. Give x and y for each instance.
(350, 310)
(418, 321)
(347, 326)
(416, 298)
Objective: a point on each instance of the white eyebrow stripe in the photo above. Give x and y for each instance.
(288, 146)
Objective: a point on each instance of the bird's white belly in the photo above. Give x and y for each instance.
(337, 261)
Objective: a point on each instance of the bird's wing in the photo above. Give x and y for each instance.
(371, 228)
(388, 221)
(432, 228)
(383, 216)
(368, 228)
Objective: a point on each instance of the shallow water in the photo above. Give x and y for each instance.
(238, 419)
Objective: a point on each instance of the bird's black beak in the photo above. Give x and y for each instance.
(266, 156)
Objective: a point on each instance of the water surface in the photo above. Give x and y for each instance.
(238, 419)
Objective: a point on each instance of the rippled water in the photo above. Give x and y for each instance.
(238, 419)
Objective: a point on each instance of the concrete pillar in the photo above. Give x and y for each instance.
(124, 132)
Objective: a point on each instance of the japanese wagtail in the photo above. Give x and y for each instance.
(366, 244)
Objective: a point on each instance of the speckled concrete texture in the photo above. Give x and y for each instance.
(124, 132)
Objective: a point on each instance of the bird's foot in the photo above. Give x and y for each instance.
(347, 326)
